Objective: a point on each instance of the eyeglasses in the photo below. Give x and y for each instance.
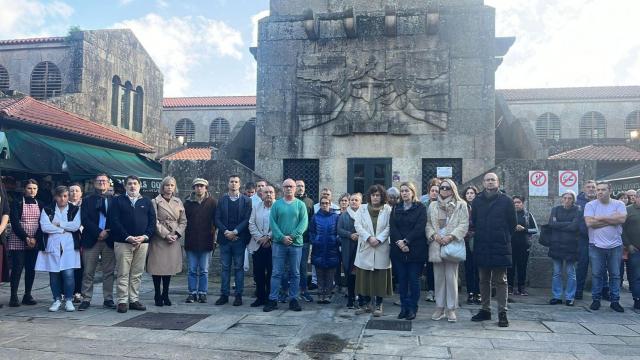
(445, 188)
(288, 186)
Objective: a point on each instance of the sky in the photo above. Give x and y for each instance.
(202, 46)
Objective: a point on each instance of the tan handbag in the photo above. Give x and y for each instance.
(434, 252)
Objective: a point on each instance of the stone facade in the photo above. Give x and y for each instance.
(88, 62)
(398, 80)
(202, 118)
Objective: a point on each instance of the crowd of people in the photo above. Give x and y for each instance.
(383, 242)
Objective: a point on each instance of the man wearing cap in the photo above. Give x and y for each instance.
(200, 238)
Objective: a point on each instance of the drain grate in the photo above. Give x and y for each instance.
(163, 321)
(322, 346)
(393, 325)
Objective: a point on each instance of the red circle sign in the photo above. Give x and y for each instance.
(568, 178)
(538, 178)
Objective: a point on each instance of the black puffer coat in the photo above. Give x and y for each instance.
(410, 225)
(565, 231)
(494, 220)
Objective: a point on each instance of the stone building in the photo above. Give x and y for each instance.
(352, 93)
(103, 75)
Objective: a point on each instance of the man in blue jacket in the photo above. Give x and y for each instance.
(232, 221)
(133, 222)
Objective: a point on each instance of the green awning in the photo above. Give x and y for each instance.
(47, 155)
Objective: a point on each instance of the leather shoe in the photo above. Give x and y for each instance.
(28, 300)
(14, 302)
(555, 301)
(237, 301)
(109, 304)
(595, 305)
(122, 308)
(403, 314)
(223, 299)
(137, 305)
(84, 306)
(569, 302)
(616, 307)
(410, 315)
(502, 319)
(482, 315)
(257, 303)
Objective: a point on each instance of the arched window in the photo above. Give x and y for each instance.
(186, 129)
(125, 112)
(631, 123)
(548, 126)
(219, 131)
(4, 78)
(46, 81)
(252, 120)
(138, 109)
(593, 126)
(116, 93)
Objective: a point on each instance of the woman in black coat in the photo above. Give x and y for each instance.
(564, 222)
(349, 244)
(408, 247)
(520, 246)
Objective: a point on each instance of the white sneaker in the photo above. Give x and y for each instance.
(55, 306)
(68, 305)
(430, 296)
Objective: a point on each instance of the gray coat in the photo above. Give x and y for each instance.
(349, 247)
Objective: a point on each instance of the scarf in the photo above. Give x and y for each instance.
(445, 210)
(352, 213)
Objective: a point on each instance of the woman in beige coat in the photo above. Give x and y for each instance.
(373, 264)
(447, 222)
(165, 250)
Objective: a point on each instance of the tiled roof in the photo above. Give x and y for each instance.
(600, 153)
(32, 40)
(574, 93)
(30, 111)
(208, 101)
(196, 153)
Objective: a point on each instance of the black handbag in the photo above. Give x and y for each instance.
(545, 235)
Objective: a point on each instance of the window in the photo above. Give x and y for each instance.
(219, 131)
(362, 173)
(46, 81)
(632, 123)
(138, 109)
(125, 111)
(116, 85)
(548, 126)
(185, 128)
(304, 169)
(593, 126)
(4, 79)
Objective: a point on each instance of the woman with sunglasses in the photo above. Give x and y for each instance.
(447, 222)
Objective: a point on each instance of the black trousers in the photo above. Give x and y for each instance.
(520, 256)
(23, 259)
(471, 273)
(262, 267)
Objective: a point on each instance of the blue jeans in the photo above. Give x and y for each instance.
(232, 251)
(556, 282)
(582, 267)
(408, 274)
(197, 278)
(280, 254)
(633, 274)
(601, 261)
(59, 281)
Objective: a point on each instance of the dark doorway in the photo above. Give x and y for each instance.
(304, 169)
(430, 170)
(362, 173)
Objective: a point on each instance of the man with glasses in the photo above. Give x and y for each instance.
(494, 217)
(288, 221)
(96, 242)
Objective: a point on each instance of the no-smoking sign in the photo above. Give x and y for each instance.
(538, 183)
(567, 180)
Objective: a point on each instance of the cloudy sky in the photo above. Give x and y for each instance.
(202, 46)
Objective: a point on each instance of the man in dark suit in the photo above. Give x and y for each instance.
(133, 222)
(96, 242)
(232, 220)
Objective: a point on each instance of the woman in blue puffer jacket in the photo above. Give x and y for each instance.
(325, 254)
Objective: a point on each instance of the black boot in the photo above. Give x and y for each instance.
(158, 299)
(13, 301)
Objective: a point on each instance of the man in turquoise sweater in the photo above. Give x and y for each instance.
(288, 221)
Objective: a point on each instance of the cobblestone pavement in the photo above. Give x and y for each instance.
(537, 331)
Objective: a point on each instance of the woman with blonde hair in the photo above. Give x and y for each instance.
(447, 225)
(165, 249)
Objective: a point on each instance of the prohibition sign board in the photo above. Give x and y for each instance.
(567, 180)
(538, 183)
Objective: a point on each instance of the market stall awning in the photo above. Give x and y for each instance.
(47, 155)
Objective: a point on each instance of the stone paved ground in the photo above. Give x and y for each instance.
(538, 331)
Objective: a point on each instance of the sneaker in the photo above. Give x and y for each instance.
(555, 301)
(378, 311)
(28, 300)
(68, 305)
(350, 303)
(13, 301)
(569, 302)
(595, 305)
(223, 299)
(270, 306)
(616, 307)
(438, 315)
(55, 306)
(410, 315)
(202, 298)
(430, 297)
(477, 299)
(502, 319)
(470, 299)
(362, 309)
(77, 298)
(108, 304)
(191, 299)
(305, 296)
(482, 315)
(294, 305)
(238, 301)
(84, 306)
(524, 292)
(451, 315)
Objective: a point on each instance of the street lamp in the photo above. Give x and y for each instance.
(180, 140)
(634, 134)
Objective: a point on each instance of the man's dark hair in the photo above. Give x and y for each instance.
(301, 180)
(99, 175)
(604, 183)
(249, 186)
(233, 176)
(377, 188)
(519, 197)
(132, 177)
(262, 180)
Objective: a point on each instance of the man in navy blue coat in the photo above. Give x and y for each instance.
(232, 221)
(133, 222)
